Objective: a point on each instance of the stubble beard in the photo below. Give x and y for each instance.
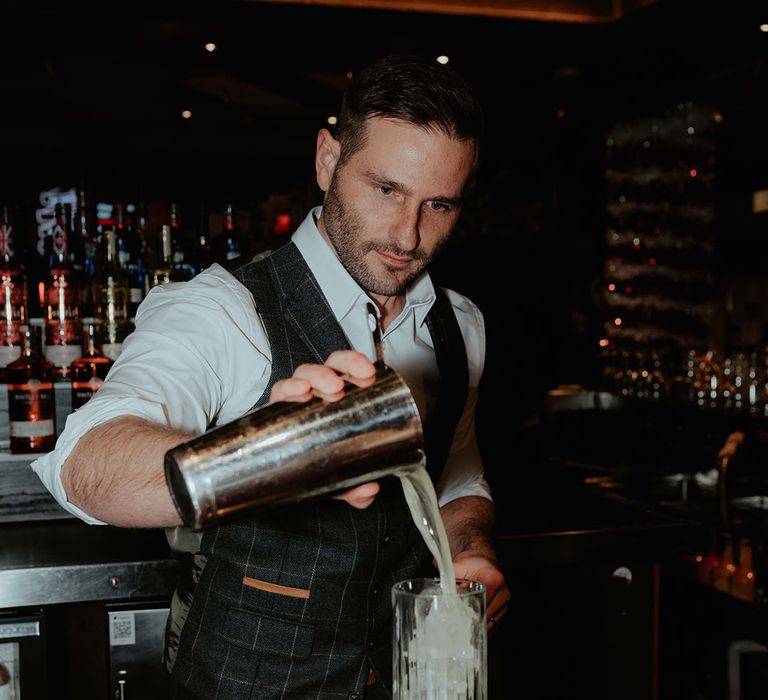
(345, 229)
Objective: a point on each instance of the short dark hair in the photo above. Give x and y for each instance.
(416, 90)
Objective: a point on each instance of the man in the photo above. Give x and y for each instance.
(294, 603)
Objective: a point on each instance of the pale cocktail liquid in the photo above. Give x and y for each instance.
(440, 644)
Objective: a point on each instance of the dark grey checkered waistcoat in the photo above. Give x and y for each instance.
(327, 626)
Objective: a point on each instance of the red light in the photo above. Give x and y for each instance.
(604, 342)
(693, 172)
(651, 261)
(617, 321)
(628, 290)
(282, 223)
(41, 292)
(611, 287)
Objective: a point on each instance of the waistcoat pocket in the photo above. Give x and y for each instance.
(268, 635)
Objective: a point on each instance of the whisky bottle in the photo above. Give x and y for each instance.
(31, 404)
(204, 252)
(90, 370)
(182, 265)
(14, 311)
(163, 272)
(129, 255)
(86, 245)
(231, 243)
(61, 307)
(110, 296)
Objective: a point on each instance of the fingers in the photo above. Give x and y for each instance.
(480, 568)
(326, 381)
(361, 496)
(351, 363)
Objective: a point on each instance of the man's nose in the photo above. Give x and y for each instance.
(406, 233)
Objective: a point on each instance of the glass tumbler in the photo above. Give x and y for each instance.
(439, 641)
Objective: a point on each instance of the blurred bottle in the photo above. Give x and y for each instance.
(163, 272)
(204, 253)
(14, 312)
(31, 404)
(90, 370)
(129, 258)
(230, 241)
(61, 308)
(181, 257)
(110, 296)
(722, 573)
(85, 242)
(743, 581)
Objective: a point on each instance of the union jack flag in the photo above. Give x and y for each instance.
(6, 240)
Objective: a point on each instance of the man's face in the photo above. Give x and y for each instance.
(394, 203)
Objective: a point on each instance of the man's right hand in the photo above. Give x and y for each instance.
(327, 382)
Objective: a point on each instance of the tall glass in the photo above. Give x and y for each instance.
(439, 641)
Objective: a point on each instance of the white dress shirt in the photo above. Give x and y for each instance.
(200, 356)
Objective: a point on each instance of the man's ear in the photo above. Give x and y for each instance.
(326, 157)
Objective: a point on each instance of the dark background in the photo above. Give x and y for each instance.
(92, 94)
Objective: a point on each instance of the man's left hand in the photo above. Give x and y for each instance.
(476, 567)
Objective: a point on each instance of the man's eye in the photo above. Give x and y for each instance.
(385, 189)
(438, 206)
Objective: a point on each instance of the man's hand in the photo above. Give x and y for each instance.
(327, 382)
(478, 568)
(468, 524)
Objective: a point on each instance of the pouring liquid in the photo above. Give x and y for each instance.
(439, 649)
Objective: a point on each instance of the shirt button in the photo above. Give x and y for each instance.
(354, 695)
(370, 645)
(375, 591)
(386, 539)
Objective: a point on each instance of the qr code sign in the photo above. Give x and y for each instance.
(122, 629)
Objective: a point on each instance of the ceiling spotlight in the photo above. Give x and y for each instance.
(332, 120)
(210, 47)
(186, 114)
(442, 59)
(764, 27)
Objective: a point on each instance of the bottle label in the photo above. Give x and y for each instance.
(8, 353)
(112, 350)
(62, 355)
(31, 409)
(32, 428)
(83, 391)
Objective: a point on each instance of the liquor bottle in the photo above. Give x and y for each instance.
(184, 270)
(204, 253)
(231, 243)
(128, 253)
(31, 403)
(110, 296)
(90, 370)
(14, 311)
(61, 308)
(86, 244)
(743, 582)
(163, 272)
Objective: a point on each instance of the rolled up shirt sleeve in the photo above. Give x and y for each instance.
(182, 367)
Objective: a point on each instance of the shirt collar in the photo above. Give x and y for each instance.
(341, 291)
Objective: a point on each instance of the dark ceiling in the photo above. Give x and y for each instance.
(94, 92)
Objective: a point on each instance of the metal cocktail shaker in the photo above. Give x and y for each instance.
(286, 452)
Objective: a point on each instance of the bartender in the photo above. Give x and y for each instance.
(297, 600)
